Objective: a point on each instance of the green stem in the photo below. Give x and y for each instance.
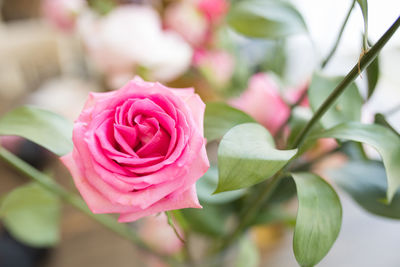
(335, 46)
(49, 184)
(260, 199)
(364, 62)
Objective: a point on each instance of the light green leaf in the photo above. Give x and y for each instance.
(220, 117)
(382, 139)
(364, 9)
(40, 126)
(365, 182)
(319, 218)
(270, 19)
(346, 108)
(32, 214)
(247, 156)
(248, 254)
(207, 184)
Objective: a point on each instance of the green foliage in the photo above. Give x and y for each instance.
(382, 139)
(220, 117)
(381, 120)
(40, 126)
(211, 220)
(365, 182)
(247, 156)
(32, 214)
(319, 218)
(270, 19)
(207, 185)
(364, 9)
(372, 76)
(346, 108)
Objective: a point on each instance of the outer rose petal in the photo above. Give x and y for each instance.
(187, 199)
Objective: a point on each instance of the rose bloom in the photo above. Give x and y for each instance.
(262, 101)
(139, 150)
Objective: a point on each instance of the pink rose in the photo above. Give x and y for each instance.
(62, 13)
(293, 95)
(262, 101)
(214, 10)
(139, 150)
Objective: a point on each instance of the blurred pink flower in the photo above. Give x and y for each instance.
(216, 65)
(214, 10)
(263, 102)
(158, 234)
(62, 13)
(184, 18)
(130, 38)
(195, 20)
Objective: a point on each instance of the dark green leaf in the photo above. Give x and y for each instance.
(270, 19)
(319, 218)
(220, 117)
(40, 126)
(372, 76)
(383, 140)
(207, 185)
(364, 9)
(32, 214)
(346, 108)
(365, 182)
(247, 156)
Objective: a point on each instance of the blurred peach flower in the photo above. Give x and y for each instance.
(62, 13)
(130, 39)
(194, 20)
(262, 101)
(216, 65)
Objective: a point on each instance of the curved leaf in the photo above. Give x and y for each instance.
(247, 156)
(40, 126)
(382, 139)
(32, 214)
(346, 108)
(319, 218)
(365, 182)
(269, 19)
(220, 117)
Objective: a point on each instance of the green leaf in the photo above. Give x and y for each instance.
(210, 220)
(364, 9)
(220, 117)
(381, 120)
(40, 126)
(346, 108)
(319, 218)
(372, 76)
(207, 185)
(365, 182)
(382, 139)
(32, 214)
(247, 156)
(248, 254)
(270, 19)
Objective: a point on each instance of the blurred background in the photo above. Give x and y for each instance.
(53, 52)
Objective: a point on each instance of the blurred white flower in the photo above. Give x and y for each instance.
(131, 39)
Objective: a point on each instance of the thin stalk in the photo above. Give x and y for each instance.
(363, 63)
(336, 44)
(49, 184)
